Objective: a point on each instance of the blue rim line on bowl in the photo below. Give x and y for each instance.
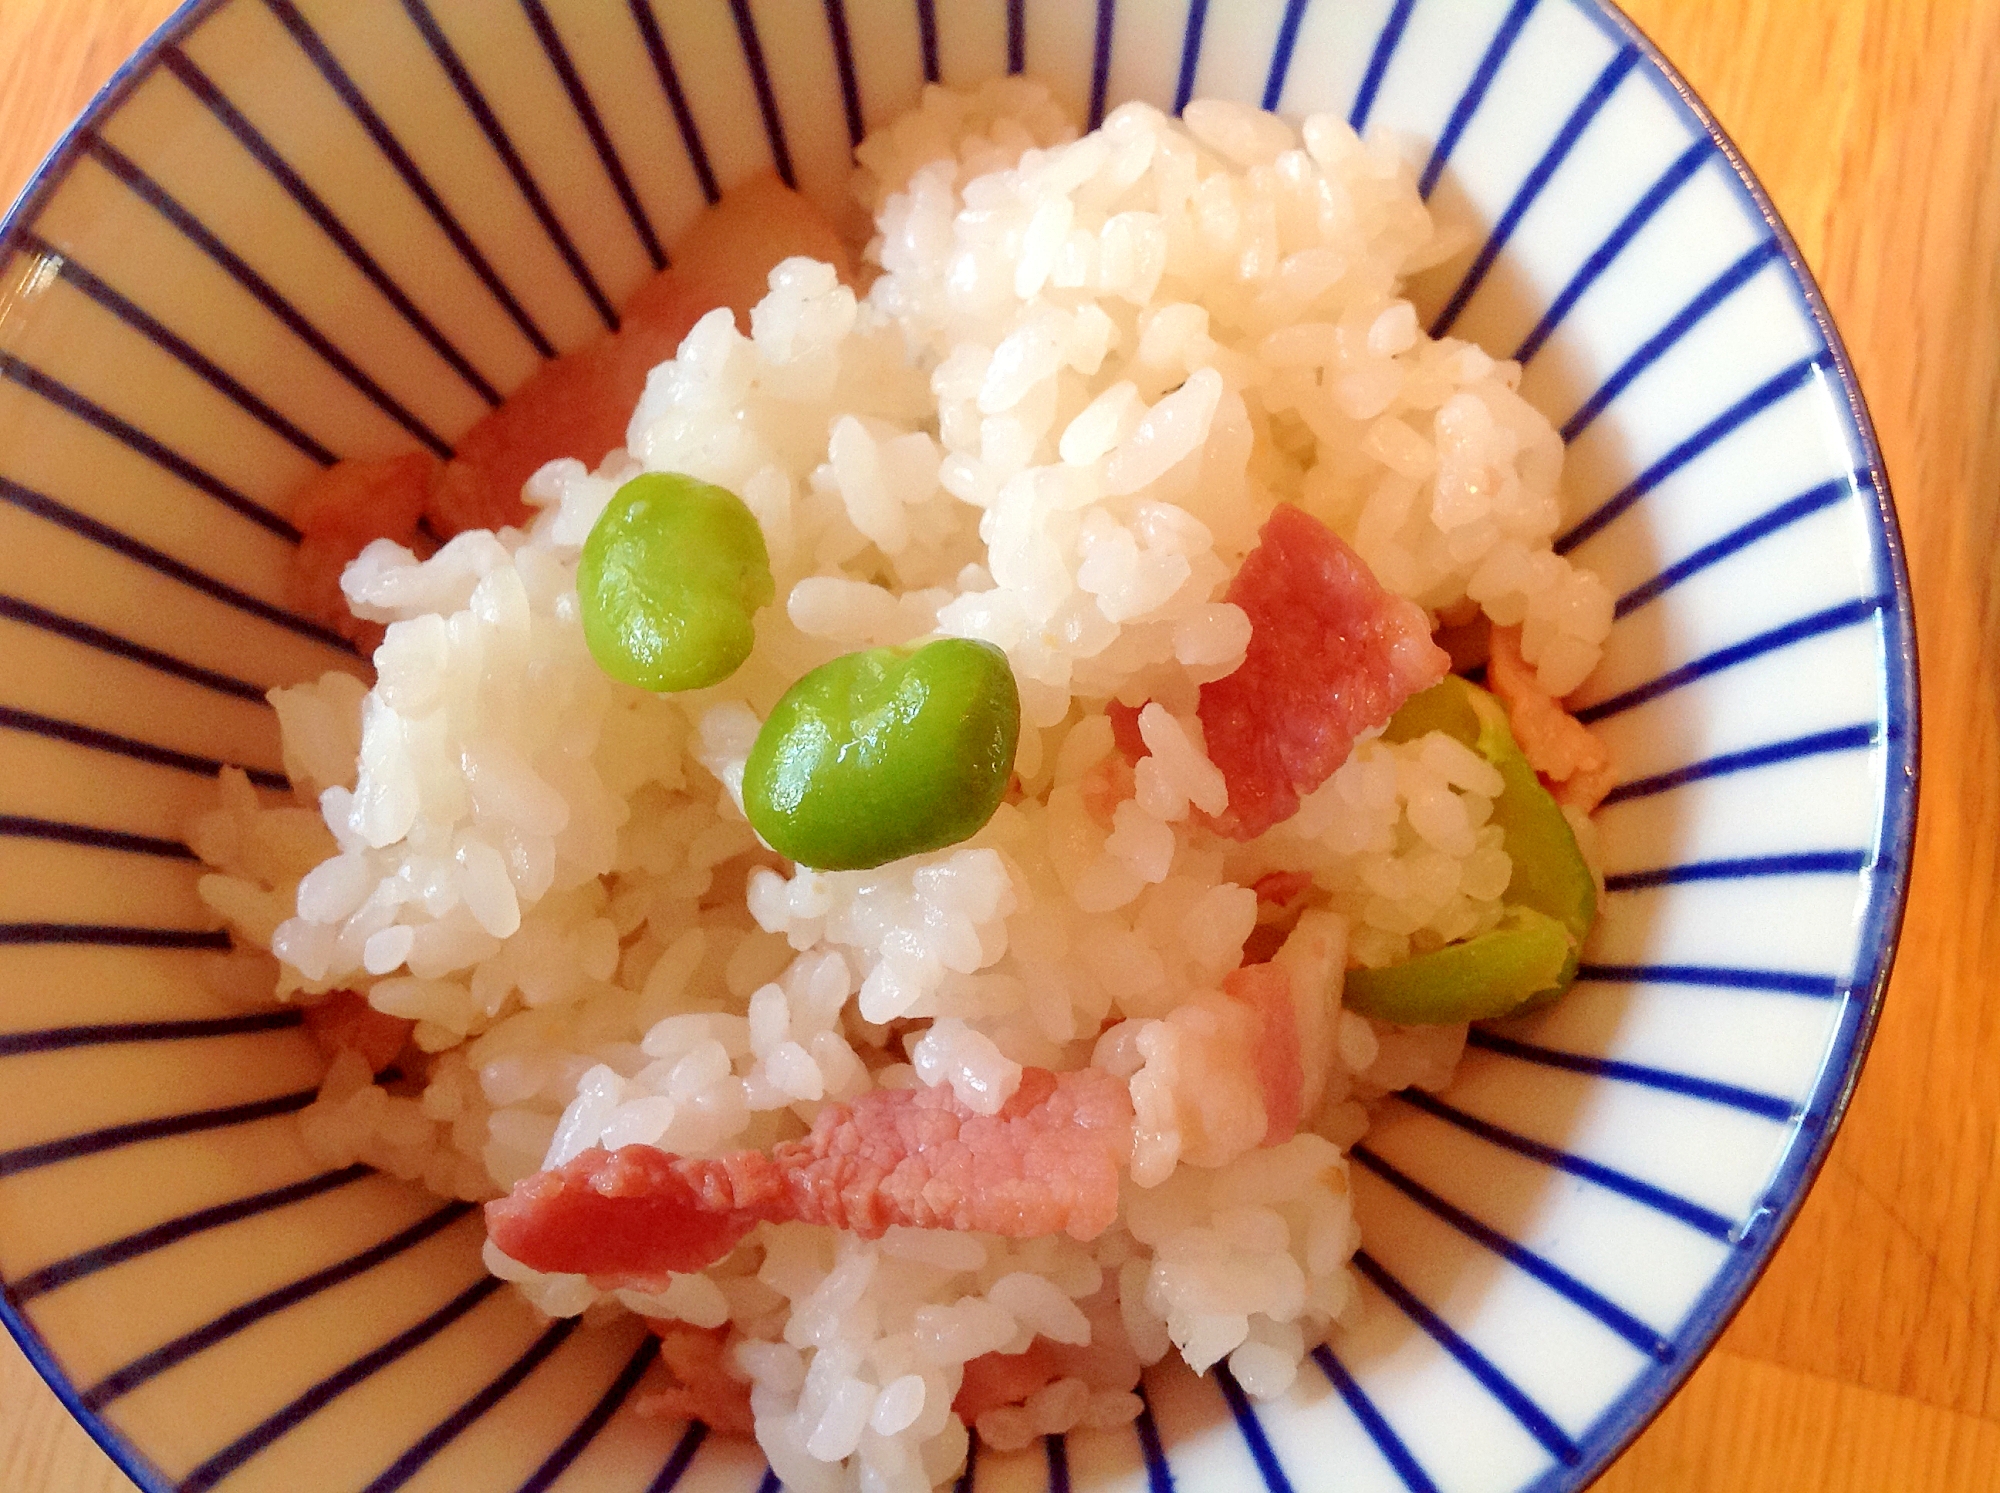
(1866, 989)
(48, 175)
(1861, 994)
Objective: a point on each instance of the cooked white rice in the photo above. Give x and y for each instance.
(1086, 371)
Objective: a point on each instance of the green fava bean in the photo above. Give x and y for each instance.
(1490, 974)
(1549, 871)
(671, 575)
(885, 753)
(1550, 877)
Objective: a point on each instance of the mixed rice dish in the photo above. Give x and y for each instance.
(909, 872)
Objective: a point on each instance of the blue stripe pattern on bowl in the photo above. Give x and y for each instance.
(297, 230)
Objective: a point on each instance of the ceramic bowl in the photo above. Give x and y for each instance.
(294, 230)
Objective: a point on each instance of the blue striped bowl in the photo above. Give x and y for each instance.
(293, 230)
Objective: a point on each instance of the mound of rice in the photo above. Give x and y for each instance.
(1086, 371)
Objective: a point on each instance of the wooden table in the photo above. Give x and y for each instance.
(1867, 1357)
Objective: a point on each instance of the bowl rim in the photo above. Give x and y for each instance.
(1620, 1424)
(48, 176)
(1627, 1417)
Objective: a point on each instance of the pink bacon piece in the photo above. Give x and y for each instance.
(1048, 1162)
(705, 1388)
(1569, 756)
(635, 1216)
(345, 1022)
(1332, 654)
(338, 512)
(580, 403)
(1267, 990)
(996, 1379)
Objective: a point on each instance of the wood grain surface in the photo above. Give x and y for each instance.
(1866, 1359)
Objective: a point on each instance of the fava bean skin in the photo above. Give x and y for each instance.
(1550, 900)
(670, 578)
(1549, 871)
(1490, 974)
(885, 753)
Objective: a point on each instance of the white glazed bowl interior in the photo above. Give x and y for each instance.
(300, 229)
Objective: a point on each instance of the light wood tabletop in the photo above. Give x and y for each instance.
(1867, 1356)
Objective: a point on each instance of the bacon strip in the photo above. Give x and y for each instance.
(1332, 654)
(1105, 787)
(707, 1391)
(634, 1215)
(1125, 732)
(579, 404)
(344, 1021)
(1557, 745)
(338, 512)
(993, 1380)
(1048, 1162)
(1267, 990)
(1281, 888)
